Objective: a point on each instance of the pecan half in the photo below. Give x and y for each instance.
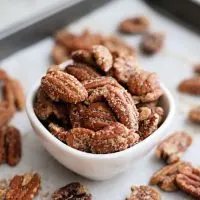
(173, 147)
(165, 178)
(58, 131)
(123, 106)
(113, 138)
(76, 114)
(123, 67)
(59, 85)
(134, 25)
(143, 193)
(194, 115)
(59, 54)
(145, 85)
(74, 191)
(188, 180)
(152, 42)
(80, 139)
(10, 145)
(82, 71)
(24, 187)
(190, 86)
(103, 57)
(97, 116)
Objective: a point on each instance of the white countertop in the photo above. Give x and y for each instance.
(172, 64)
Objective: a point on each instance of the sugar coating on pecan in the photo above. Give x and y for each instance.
(123, 67)
(134, 25)
(171, 149)
(59, 85)
(10, 145)
(76, 114)
(113, 138)
(74, 191)
(102, 56)
(82, 71)
(23, 187)
(98, 115)
(143, 193)
(144, 113)
(152, 42)
(165, 177)
(194, 115)
(59, 54)
(188, 180)
(3, 188)
(123, 106)
(190, 86)
(80, 139)
(145, 85)
(96, 95)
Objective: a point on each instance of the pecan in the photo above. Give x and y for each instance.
(173, 147)
(81, 71)
(144, 113)
(72, 191)
(194, 114)
(149, 125)
(188, 180)
(10, 145)
(113, 138)
(76, 114)
(59, 54)
(59, 85)
(24, 187)
(145, 85)
(80, 139)
(122, 105)
(133, 25)
(152, 42)
(96, 95)
(97, 116)
(103, 57)
(58, 131)
(190, 86)
(165, 178)
(143, 193)
(197, 69)
(123, 67)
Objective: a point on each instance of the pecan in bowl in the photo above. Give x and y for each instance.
(104, 129)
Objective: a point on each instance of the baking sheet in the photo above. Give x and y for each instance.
(172, 64)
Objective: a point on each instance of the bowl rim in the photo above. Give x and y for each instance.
(33, 118)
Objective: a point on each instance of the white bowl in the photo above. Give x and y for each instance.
(99, 166)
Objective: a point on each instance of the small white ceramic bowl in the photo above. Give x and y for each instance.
(99, 166)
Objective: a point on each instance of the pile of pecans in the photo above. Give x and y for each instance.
(100, 103)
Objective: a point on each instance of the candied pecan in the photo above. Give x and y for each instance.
(173, 147)
(103, 57)
(74, 191)
(143, 193)
(152, 42)
(10, 145)
(194, 115)
(113, 138)
(146, 85)
(197, 69)
(76, 114)
(165, 178)
(59, 85)
(144, 113)
(188, 180)
(132, 25)
(123, 67)
(97, 116)
(24, 187)
(82, 71)
(149, 125)
(58, 131)
(80, 139)
(59, 54)
(190, 86)
(122, 105)
(96, 95)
